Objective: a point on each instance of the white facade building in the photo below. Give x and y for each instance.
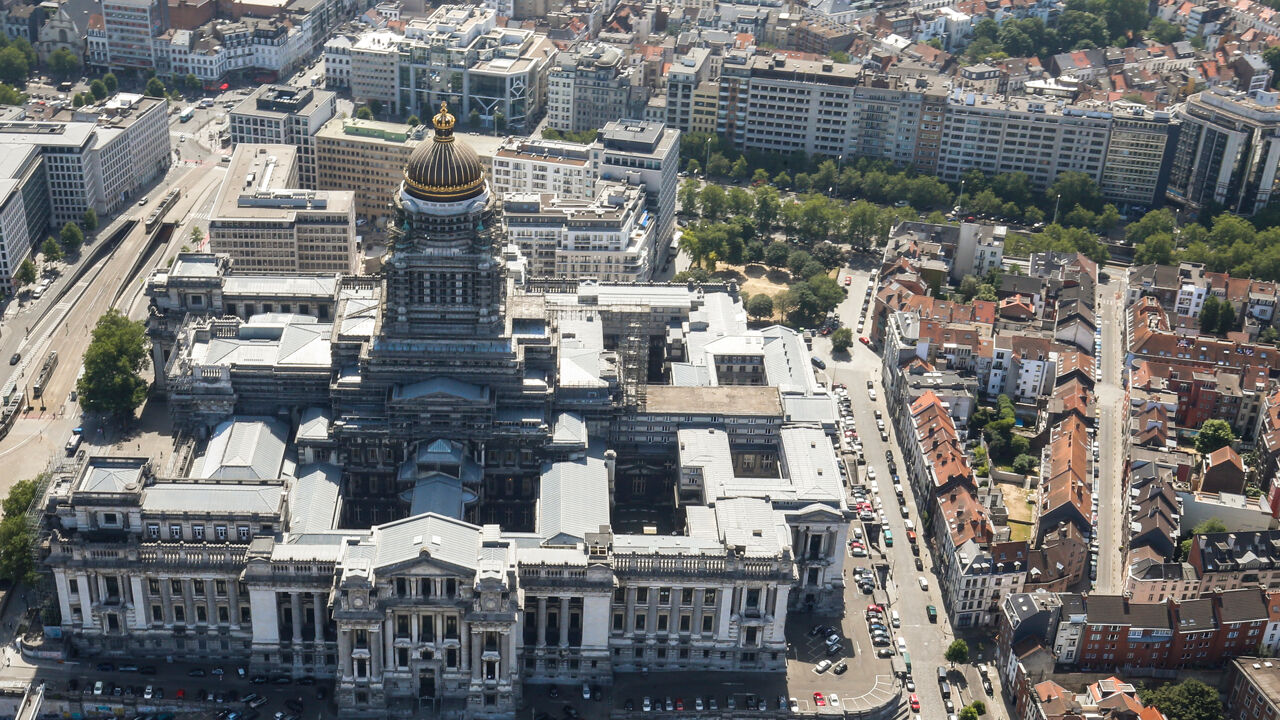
(609, 238)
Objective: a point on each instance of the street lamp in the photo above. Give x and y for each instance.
(706, 157)
(1056, 202)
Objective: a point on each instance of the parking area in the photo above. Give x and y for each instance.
(814, 665)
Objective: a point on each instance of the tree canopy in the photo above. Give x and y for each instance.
(842, 340)
(1214, 434)
(71, 237)
(957, 652)
(1187, 700)
(26, 273)
(117, 354)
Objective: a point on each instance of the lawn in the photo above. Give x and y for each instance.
(1019, 503)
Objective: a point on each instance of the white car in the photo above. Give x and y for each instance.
(902, 644)
(924, 583)
(833, 700)
(647, 704)
(894, 619)
(872, 394)
(871, 473)
(148, 692)
(857, 533)
(822, 666)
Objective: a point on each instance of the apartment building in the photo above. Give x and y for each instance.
(609, 238)
(1043, 137)
(635, 152)
(1227, 152)
(592, 85)
(24, 206)
(832, 109)
(1253, 689)
(367, 158)
(128, 31)
(96, 156)
(283, 114)
(487, 74)
(267, 224)
(689, 72)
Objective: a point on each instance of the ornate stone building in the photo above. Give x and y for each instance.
(435, 487)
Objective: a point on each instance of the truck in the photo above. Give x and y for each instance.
(73, 442)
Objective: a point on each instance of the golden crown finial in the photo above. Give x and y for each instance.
(443, 120)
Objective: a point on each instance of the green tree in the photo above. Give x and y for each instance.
(782, 180)
(1163, 31)
(719, 166)
(1072, 188)
(841, 340)
(797, 261)
(473, 119)
(776, 254)
(499, 122)
(979, 707)
(1156, 249)
(376, 106)
(26, 273)
(413, 121)
(71, 238)
(89, 220)
(968, 287)
(713, 200)
(52, 250)
(192, 82)
(760, 306)
(20, 497)
(197, 235)
(957, 652)
(768, 205)
(1209, 315)
(63, 63)
(967, 713)
(155, 88)
(1214, 434)
(11, 96)
(17, 563)
(741, 203)
(98, 89)
(78, 100)
(364, 113)
(693, 167)
(1187, 700)
(1025, 464)
(1209, 525)
(14, 68)
(688, 197)
(760, 176)
(111, 383)
(740, 170)
(111, 82)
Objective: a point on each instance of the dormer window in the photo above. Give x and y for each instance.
(243, 532)
(153, 530)
(175, 532)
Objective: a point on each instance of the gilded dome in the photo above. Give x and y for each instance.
(444, 170)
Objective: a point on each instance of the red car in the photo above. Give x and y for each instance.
(915, 702)
(680, 704)
(819, 700)
(848, 279)
(875, 607)
(181, 694)
(864, 340)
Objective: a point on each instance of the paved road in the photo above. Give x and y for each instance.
(38, 435)
(1112, 435)
(926, 642)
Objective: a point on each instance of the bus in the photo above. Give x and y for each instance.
(187, 114)
(46, 371)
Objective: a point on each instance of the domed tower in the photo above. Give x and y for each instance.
(442, 276)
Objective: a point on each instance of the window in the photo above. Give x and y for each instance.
(707, 622)
(642, 595)
(617, 622)
(709, 597)
(686, 596)
(220, 532)
(640, 620)
(175, 532)
(179, 614)
(153, 530)
(243, 532)
(197, 532)
(175, 587)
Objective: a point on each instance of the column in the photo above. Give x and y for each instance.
(564, 622)
(211, 602)
(375, 654)
(296, 599)
(542, 621)
(321, 615)
(344, 654)
(388, 641)
(265, 616)
(464, 649)
(86, 600)
(141, 610)
(477, 665)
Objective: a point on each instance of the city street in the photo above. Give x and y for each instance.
(926, 642)
(34, 329)
(1113, 433)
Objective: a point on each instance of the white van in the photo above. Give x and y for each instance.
(894, 619)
